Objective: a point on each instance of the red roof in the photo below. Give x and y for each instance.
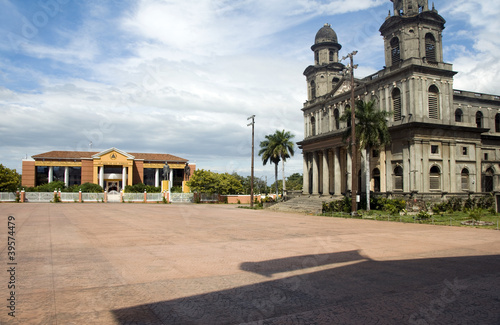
(89, 154)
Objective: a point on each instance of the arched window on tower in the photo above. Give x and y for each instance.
(479, 119)
(435, 178)
(398, 178)
(396, 104)
(497, 123)
(465, 179)
(316, 57)
(459, 115)
(430, 48)
(395, 51)
(433, 102)
(337, 119)
(313, 90)
(332, 56)
(313, 126)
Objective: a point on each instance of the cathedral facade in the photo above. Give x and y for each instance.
(444, 141)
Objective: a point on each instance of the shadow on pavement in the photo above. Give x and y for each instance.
(453, 290)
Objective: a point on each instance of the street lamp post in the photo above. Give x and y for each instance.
(354, 171)
(251, 173)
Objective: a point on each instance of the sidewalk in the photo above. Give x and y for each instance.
(215, 264)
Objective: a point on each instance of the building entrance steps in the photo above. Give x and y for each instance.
(304, 204)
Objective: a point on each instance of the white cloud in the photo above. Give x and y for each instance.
(478, 65)
(183, 76)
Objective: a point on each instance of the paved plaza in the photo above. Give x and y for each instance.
(97, 263)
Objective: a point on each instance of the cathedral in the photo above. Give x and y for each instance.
(444, 141)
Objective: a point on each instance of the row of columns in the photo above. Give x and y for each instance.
(101, 175)
(66, 175)
(326, 173)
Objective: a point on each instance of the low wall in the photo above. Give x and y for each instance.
(243, 199)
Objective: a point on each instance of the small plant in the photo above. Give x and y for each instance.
(165, 200)
(56, 198)
(18, 197)
(423, 215)
(239, 202)
(476, 214)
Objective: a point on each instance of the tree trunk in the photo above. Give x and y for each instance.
(276, 179)
(367, 173)
(283, 175)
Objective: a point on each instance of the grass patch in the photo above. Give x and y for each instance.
(443, 219)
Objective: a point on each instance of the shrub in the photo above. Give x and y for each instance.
(485, 202)
(469, 204)
(476, 214)
(91, 188)
(423, 215)
(343, 205)
(176, 189)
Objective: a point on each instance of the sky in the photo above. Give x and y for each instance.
(182, 76)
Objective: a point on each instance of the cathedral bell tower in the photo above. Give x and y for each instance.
(413, 33)
(326, 72)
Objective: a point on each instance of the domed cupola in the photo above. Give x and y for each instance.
(324, 75)
(326, 46)
(326, 35)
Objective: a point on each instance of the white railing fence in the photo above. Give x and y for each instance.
(7, 197)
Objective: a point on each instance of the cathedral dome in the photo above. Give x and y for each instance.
(326, 34)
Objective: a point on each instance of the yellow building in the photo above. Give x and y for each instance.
(113, 169)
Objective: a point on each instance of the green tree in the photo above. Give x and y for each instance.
(269, 155)
(9, 179)
(258, 184)
(294, 182)
(372, 132)
(283, 146)
(205, 181)
(276, 147)
(228, 184)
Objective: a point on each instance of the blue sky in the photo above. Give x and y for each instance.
(182, 76)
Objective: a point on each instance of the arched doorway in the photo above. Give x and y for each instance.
(487, 180)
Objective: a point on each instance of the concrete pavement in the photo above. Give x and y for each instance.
(97, 263)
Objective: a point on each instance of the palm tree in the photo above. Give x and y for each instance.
(276, 147)
(268, 154)
(283, 147)
(371, 133)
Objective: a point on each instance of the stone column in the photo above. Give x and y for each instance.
(305, 178)
(389, 181)
(157, 177)
(479, 170)
(315, 176)
(338, 173)
(424, 98)
(124, 177)
(101, 176)
(413, 166)
(51, 174)
(425, 166)
(454, 174)
(406, 167)
(404, 101)
(446, 170)
(66, 176)
(326, 173)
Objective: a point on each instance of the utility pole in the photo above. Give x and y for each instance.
(354, 153)
(251, 177)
